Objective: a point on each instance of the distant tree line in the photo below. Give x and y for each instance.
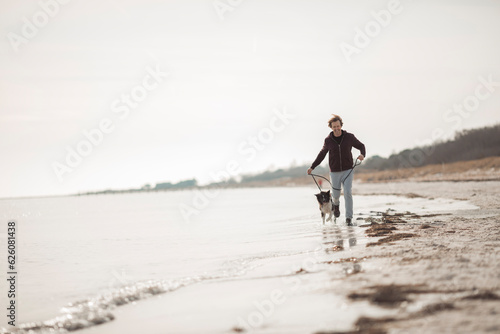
(179, 185)
(467, 145)
(280, 173)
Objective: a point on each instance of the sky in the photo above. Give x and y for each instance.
(115, 94)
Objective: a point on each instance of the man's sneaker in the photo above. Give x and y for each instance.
(336, 211)
(348, 222)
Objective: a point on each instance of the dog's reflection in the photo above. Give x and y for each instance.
(336, 239)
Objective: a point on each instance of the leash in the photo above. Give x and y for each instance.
(313, 176)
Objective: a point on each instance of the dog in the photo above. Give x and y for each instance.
(325, 205)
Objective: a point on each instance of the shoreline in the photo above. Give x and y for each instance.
(404, 272)
(480, 170)
(443, 278)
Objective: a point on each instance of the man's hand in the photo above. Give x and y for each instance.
(309, 171)
(361, 157)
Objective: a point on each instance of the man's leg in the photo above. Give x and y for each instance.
(348, 194)
(335, 178)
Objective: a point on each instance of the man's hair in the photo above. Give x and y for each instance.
(334, 119)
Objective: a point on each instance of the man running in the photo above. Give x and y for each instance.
(339, 144)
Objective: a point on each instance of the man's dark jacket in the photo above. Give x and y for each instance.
(340, 157)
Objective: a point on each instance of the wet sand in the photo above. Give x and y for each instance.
(444, 276)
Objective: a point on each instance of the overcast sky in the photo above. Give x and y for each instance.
(179, 89)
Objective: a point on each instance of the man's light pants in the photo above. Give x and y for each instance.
(336, 179)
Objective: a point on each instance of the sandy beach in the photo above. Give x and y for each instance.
(445, 279)
(409, 273)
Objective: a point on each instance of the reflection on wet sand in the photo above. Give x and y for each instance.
(336, 238)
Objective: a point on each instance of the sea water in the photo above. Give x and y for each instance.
(82, 257)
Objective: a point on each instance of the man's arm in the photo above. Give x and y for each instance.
(320, 157)
(360, 146)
